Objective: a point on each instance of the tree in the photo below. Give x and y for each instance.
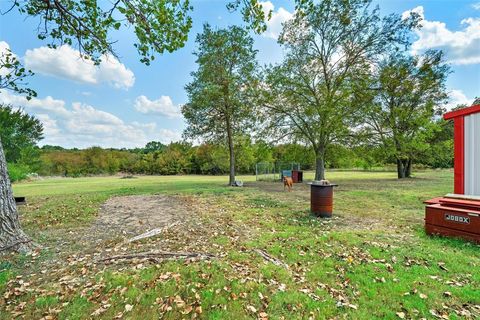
(294, 153)
(316, 94)
(18, 131)
(154, 146)
(12, 236)
(211, 158)
(440, 145)
(176, 159)
(411, 91)
(219, 95)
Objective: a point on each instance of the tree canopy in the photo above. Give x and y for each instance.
(18, 131)
(411, 92)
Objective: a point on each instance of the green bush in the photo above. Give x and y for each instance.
(17, 172)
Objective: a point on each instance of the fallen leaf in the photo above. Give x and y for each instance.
(252, 309)
(187, 310)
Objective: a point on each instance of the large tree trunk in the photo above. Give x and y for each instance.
(400, 169)
(319, 164)
(12, 237)
(231, 180)
(408, 170)
(404, 168)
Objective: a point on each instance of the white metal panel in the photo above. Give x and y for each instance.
(472, 154)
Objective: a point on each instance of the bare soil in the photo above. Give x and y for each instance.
(129, 216)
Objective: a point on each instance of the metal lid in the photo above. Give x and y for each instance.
(318, 183)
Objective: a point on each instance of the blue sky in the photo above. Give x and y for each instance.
(126, 104)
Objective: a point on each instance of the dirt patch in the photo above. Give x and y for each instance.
(129, 216)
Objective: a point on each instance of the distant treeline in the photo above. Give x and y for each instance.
(21, 132)
(211, 159)
(172, 159)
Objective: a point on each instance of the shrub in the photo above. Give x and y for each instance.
(17, 172)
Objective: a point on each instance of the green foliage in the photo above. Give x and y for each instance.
(154, 146)
(17, 172)
(293, 152)
(256, 15)
(13, 74)
(219, 97)
(412, 90)
(176, 159)
(18, 132)
(439, 153)
(245, 154)
(159, 26)
(211, 159)
(218, 94)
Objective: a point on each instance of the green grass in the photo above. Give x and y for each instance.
(370, 262)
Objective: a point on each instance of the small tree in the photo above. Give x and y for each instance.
(154, 146)
(219, 96)
(18, 131)
(316, 94)
(411, 91)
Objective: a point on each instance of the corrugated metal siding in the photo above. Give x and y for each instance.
(472, 154)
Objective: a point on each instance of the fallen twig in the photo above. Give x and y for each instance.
(271, 259)
(156, 255)
(152, 232)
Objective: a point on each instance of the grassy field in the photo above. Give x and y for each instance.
(372, 261)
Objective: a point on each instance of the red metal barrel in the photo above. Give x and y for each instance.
(321, 199)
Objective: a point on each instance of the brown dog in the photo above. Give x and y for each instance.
(287, 182)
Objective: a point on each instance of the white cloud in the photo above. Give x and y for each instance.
(50, 127)
(461, 47)
(457, 97)
(66, 62)
(274, 25)
(82, 125)
(3, 47)
(167, 135)
(476, 6)
(36, 105)
(163, 106)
